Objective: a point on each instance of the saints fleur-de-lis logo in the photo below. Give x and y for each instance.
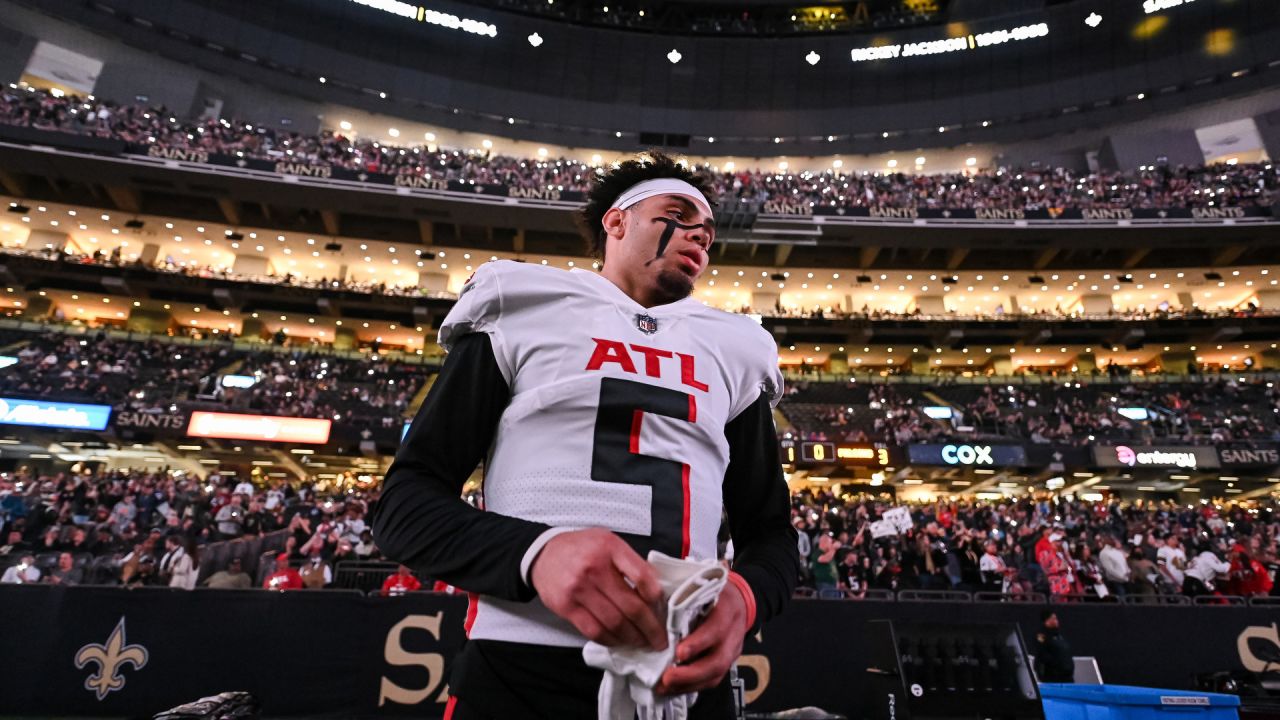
(110, 659)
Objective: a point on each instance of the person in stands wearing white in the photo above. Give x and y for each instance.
(1202, 572)
(995, 574)
(24, 573)
(1171, 560)
(180, 562)
(1115, 565)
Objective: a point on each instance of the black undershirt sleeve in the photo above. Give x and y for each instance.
(420, 519)
(759, 508)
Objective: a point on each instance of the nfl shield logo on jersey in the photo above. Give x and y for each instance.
(646, 324)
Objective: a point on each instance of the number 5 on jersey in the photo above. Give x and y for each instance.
(616, 458)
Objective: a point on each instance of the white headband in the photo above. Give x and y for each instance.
(662, 186)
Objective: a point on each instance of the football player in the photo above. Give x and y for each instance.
(615, 415)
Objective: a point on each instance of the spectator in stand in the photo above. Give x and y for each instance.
(822, 566)
(353, 524)
(995, 573)
(1270, 571)
(23, 573)
(1247, 577)
(231, 518)
(15, 546)
(257, 521)
(1088, 572)
(1057, 566)
(66, 573)
(1115, 566)
(139, 566)
(232, 578)
(284, 577)
(316, 572)
(1171, 560)
(180, 563)
(1054, 662)
(365, 549)
(1202, 572)
(403, 581)
(1144, 574)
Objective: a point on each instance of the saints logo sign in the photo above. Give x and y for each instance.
(110, 659)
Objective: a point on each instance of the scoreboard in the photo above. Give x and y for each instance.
(810, 452)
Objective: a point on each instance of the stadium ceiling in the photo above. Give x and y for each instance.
(582, 86)
(750, 18)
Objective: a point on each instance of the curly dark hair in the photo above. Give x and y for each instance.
(651, 165)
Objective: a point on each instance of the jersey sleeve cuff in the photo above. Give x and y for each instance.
(526, 562)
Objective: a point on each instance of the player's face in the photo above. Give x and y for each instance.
(660, 247)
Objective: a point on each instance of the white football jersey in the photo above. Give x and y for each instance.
(616, 418)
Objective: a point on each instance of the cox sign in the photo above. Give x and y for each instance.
(969, 455)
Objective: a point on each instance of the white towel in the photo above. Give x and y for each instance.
(689, 589)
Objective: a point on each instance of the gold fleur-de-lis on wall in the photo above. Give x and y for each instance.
(111, 659)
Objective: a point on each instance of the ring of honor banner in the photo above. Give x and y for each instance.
(1013, 214)
(100, 651)
(333, 172)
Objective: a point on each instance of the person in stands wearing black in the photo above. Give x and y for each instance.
(1053, 655)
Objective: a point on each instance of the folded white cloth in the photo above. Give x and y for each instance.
(689, 590)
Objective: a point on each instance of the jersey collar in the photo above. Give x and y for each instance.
(604, 286)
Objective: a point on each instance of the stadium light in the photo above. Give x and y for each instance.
(1094, 20)
(535, 40)
(1155, 6)
(812, 58)
(674, 56)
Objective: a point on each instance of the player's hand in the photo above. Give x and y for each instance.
(705, 656)
(593, 579)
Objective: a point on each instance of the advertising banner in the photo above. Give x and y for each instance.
(43, 413)
(270, 428)
(1176, 457)
(972, 455)
(112, 652)
(1014, 214)
(1258, 455)
(157, 422)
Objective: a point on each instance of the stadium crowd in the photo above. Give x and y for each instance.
(1224, 410)
(136, 527)
(170, 264)
(150, 376)
(1061, 547)
(995, 188)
